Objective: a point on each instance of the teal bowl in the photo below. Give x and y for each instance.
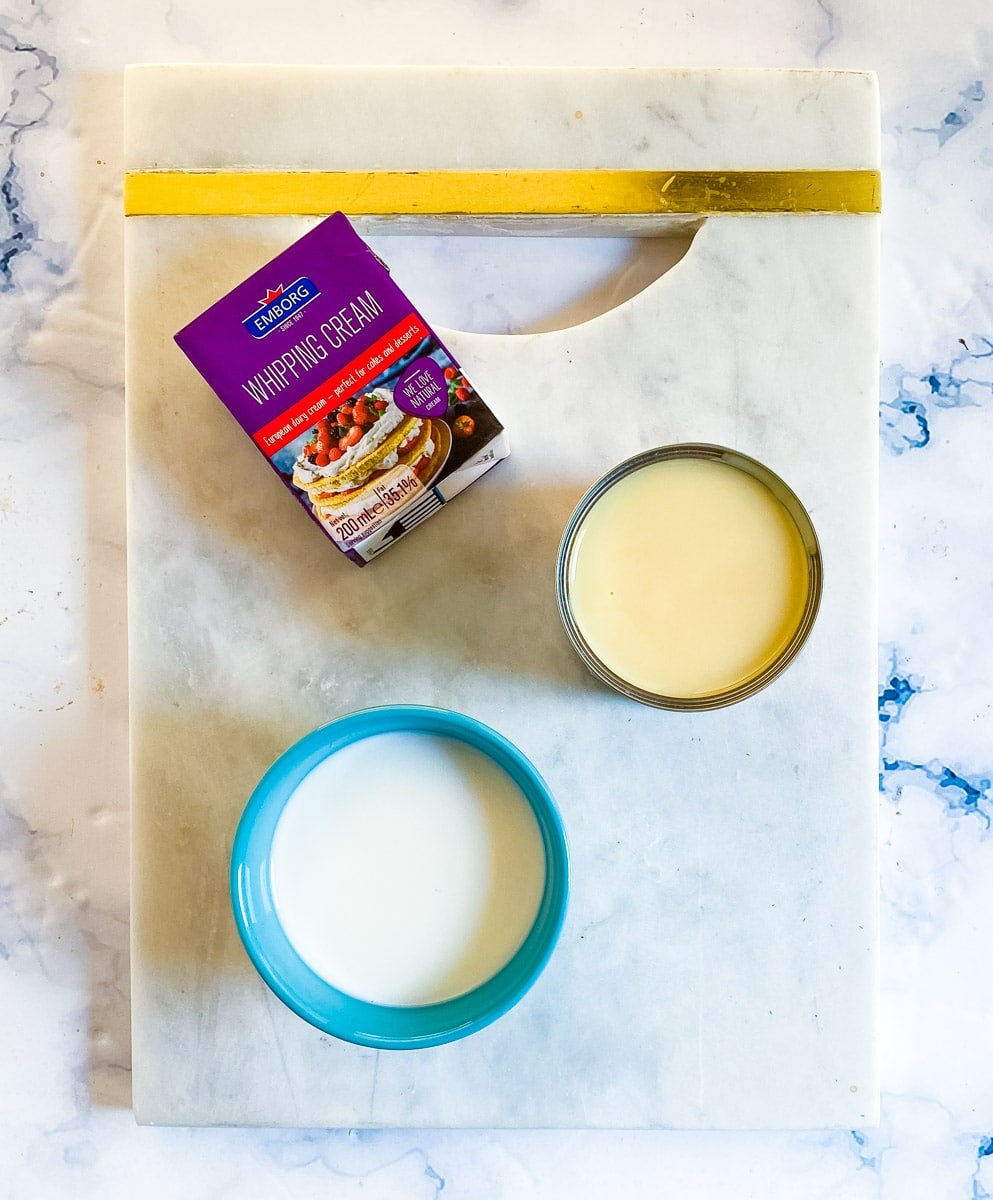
(307, 993)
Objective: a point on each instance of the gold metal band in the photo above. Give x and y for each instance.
(587, 193)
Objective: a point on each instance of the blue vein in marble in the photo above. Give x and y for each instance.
(959, 793)
(905, 416)
(23, 112)
(436, 1179)
(335, 1151)
(959, 117)
(864, 1156)
(893, 696)
(984, 1150)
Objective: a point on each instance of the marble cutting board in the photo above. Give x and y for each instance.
(719, 963)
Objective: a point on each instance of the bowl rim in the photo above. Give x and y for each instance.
(309, 995)
(779, 488)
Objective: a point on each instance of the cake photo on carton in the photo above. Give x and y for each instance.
(346, 390)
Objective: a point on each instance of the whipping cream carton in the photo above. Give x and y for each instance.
(345, 388)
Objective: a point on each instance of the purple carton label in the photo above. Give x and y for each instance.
(345, 389)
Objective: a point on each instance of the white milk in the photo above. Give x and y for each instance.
(407, 868)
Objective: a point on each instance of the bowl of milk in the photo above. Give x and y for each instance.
(399, 877)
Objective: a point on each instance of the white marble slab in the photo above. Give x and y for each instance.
(310, 118)
(718, 968)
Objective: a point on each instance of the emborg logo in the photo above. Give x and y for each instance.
(279, 304)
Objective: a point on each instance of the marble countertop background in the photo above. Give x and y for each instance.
(65, 1123)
